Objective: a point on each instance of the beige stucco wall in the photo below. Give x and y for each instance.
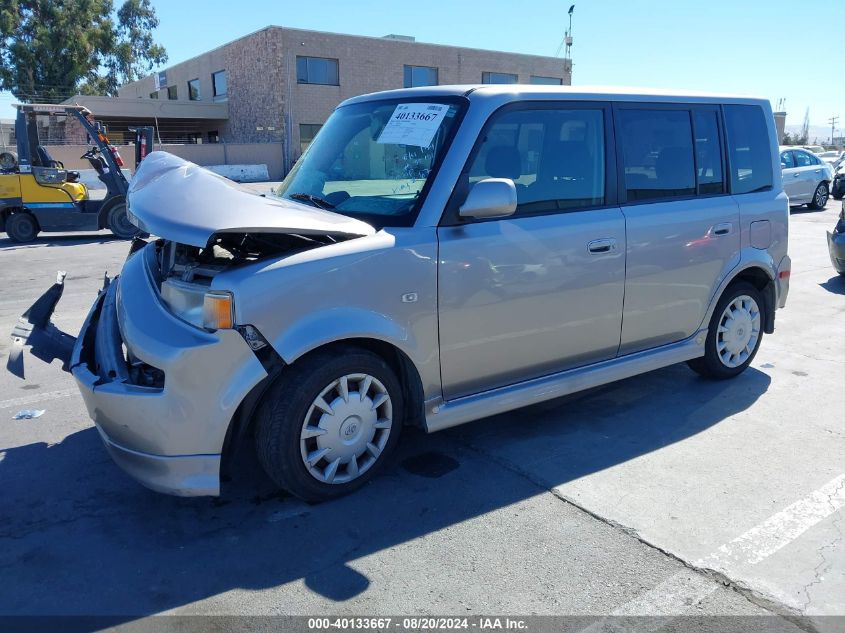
(269, 154)
(370, 64)
(266, 104)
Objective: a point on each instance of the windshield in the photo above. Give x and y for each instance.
(372, 160)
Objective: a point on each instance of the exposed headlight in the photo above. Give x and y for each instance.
(184, 299)
(218, 310)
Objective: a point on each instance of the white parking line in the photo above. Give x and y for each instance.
(37, 397)
(779, 530)
(680, 593)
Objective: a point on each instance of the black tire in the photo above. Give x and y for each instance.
(710, 365)
(838, 196)
(282, 414)
(820, 196)
(119, 224)
(22, 227)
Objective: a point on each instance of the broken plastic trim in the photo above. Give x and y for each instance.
(35, 329)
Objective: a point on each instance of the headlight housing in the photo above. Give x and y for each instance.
(199, 306)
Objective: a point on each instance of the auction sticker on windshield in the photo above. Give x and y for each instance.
(413, 124)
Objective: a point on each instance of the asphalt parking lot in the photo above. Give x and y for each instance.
(663, 494)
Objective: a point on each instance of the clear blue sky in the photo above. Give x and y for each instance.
(760, 47)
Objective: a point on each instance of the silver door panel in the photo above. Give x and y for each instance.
(526, 297)
(678, 254)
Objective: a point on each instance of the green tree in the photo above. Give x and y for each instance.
(53, 49)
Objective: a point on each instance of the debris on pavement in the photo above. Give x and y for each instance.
(28, 414)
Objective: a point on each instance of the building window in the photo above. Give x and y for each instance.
(316, 70)
(194, 90)
(546, 81)
(220, 89)
(307, 132)
(498, 78)
(213, 137)
(154, 95)
(171, 93)
(420, 76)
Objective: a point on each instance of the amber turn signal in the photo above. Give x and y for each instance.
(218, 310)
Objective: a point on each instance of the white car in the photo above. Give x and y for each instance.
(806, 177)
(834, 157)
(815, 149)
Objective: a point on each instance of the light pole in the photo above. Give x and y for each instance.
(832, 120)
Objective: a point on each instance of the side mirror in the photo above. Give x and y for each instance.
(490, 198)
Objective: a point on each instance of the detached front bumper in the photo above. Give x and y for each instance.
(170, 438)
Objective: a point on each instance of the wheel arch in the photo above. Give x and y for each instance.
(244, 419)
(759, 274)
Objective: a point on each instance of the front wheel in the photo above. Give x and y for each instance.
(734, 335)
(21, 227)
(820, 197)
(329, 423)
(119, 224)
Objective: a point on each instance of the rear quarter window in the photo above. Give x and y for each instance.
(748, 149)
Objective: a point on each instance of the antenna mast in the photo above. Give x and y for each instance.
(567, 40)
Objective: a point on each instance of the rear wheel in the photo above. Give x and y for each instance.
(119, 224)
(820, 197)
(330, 423)
(22, 227)
(734, 335)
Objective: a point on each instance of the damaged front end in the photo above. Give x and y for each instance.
(161, 361)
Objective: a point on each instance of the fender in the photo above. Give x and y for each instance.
(338, 324)
(749, 258)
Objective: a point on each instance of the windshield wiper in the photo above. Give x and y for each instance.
(315, 200)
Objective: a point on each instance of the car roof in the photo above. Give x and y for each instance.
(516, 92)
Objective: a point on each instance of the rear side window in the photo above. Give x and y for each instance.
(786, 160)
(657, 154)
(803, 159)
(748, 149)
(708, 152)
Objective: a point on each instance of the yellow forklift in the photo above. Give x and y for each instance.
(38, 194)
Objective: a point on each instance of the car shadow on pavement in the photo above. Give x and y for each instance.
(79, 537)
(835, 284)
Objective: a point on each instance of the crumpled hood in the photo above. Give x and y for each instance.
(183, 202)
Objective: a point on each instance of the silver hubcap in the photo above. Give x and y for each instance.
(346, 428)
(821, 196)
(739, 331)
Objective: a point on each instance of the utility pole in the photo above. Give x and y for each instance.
(832, 120)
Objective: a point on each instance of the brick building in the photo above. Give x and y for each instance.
(278, 85)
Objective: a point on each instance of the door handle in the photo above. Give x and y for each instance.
(604, 245)
(796, 175)
(722, 229)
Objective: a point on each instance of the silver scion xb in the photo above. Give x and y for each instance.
(436, 256)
